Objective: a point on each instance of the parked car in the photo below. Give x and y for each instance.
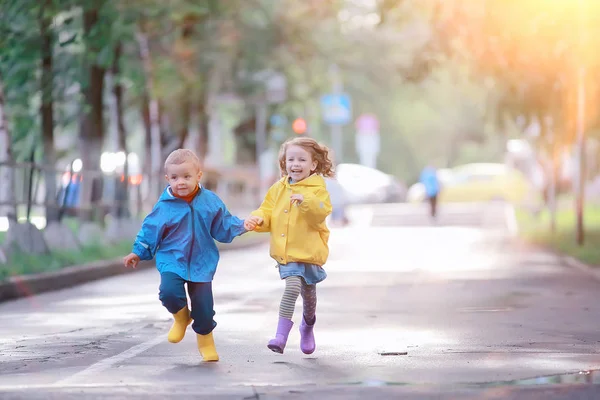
(339, 201)
(368, 185)
(480, 182)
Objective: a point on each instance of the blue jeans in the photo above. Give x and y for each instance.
(172, 296)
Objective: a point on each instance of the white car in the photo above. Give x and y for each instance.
(367, 185)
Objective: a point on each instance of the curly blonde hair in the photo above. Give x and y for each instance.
(319, 153)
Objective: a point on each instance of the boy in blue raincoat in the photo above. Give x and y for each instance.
(180, 231)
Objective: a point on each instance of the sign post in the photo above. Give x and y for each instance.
(337, 111)
(367, 139)
(275, 91)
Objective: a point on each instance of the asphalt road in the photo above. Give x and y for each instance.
(446, 309)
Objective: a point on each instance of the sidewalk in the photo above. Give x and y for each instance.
(29, 285)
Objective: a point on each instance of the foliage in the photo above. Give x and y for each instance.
(532, 51)
(435, 72)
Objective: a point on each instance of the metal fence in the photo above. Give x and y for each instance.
(39, 190)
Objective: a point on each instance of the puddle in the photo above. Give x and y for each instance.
(484, 309)
(376, 382)
(576, 378)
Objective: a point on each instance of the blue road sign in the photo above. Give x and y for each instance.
(278, 120)
(336, 108)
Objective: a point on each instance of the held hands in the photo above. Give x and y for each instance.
(252, 222)
(131, 260)
(296, 199)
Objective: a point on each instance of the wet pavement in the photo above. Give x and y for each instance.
(423, 310)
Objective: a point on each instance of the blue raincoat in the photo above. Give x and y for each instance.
(182, 235)
(430, 181)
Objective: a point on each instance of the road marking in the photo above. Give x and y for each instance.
(38, 386)
(110, 361)
(107, 363)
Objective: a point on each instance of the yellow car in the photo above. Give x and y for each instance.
(481, 182)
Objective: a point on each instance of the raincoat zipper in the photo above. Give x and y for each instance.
(192, 244)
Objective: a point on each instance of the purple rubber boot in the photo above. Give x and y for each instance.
(283, 330)
(307, 338)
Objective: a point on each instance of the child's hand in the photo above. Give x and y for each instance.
(131, 260)
(297, 198)
(252, 222)
(249, 224)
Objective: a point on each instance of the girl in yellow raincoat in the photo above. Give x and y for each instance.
(294, 212)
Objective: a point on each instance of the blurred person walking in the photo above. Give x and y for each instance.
(431, 183)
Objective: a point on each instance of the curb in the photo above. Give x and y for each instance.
(569, 261)
(30, 285)
(581, 266)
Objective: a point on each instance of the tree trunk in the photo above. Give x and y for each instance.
(548, 132)
(118, 93)
(168, 140)
(184, 124)
(580, 149)
(7, 195)
(202, 127)
(147, 163)
(122, 192)
(145, 109)
(47, 113)
(175, 124)
(24, 237)
(552, 191)
(91, 133)
(153, 113)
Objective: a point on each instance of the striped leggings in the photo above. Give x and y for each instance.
(294, 286)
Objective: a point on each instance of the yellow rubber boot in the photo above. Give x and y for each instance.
(182, 320)
(206, 347)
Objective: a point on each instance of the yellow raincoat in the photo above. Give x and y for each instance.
(298, 231)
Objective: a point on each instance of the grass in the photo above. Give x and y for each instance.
(536, 230)
(24, 264)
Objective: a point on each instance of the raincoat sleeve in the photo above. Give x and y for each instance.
(151, 234)
(225, 227)
(266, 209)
(316, 206)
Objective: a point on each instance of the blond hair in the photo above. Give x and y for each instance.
(180, 156)
(319, 153)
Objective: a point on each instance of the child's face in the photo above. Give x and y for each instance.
(183, 178)
(298, 163)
